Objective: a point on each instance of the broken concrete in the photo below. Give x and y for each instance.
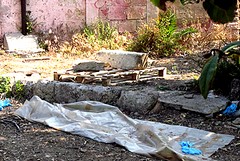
(147, 99)
(17, 42)
(62, 92)
(138, 101)
(88, 65)
(196, 103)
(123, 59)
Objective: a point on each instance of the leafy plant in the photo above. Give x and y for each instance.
(19, 90)
(102, 31)
(30, 22)
(226, 58)
(100, 35)
(160, 38)
(5, 85)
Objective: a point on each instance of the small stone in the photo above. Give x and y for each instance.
(188, 96)
(217, 123)
(136, 113)
(236, 121)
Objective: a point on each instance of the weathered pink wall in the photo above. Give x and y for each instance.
(126, 15)
(55, 13)
(71, 15)
(10, 17)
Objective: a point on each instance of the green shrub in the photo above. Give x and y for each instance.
(161, 38)
(95, 37)
(30, 22)
(5, 86)
(227, 70)
(19, 90)
(101, 31)
(222, 66)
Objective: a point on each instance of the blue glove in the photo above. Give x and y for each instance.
(4, 103)
(230, 110)
(187, 148)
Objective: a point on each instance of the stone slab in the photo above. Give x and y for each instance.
(194, 103)
(140, 101)
(123, 59)
(62, 92)
(14, 42)
(88, 65)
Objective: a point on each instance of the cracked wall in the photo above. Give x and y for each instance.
(126, 15)
(10, 17)
(71, 15)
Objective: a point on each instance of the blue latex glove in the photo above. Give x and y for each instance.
(187, 148)
(4, 103)
(230, 110)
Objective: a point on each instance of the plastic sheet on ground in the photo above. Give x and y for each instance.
(106, 123)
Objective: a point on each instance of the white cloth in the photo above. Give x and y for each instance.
(106, 123)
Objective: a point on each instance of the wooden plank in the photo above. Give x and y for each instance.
(114, 76)
(36, 59)
(107, 72)
(56, 76)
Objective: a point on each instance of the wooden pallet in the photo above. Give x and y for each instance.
(111, 77)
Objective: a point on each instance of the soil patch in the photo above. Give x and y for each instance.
(24, 140)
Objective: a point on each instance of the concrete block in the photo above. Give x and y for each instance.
(123, 59)
(62, 92)
(137, 101)
(14, 42)
(194, 103)
(88, 65)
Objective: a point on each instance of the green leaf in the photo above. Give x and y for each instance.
(221, 11)
(161, 4)
(184, 2)
(207, 75)
(230, 46)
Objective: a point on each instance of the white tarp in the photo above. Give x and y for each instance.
(106, 123)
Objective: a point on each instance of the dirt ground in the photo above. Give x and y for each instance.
(21, 140)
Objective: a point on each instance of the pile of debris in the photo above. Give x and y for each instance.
(112, 67)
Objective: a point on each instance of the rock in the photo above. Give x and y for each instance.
(235, 90)
(88, 65)
(157, 108)
(123, 59)
(44, 89)
(140, 101)
(198, 104)
(236, 121)
(63, 92)
(80, 92)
